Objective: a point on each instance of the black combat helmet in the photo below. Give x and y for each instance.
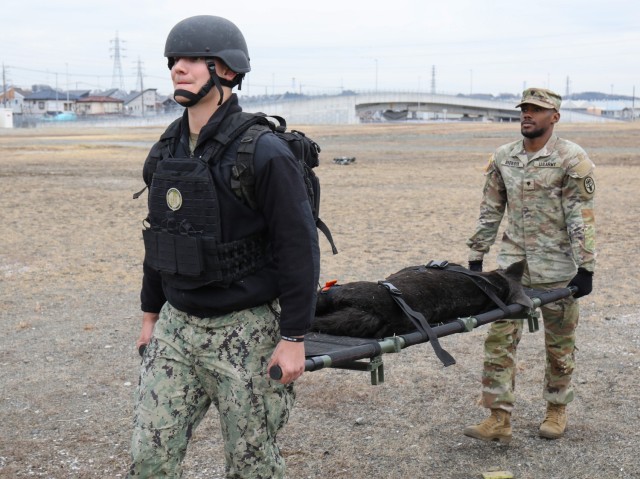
(209, 36)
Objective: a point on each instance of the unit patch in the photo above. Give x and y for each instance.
(589, 185)
(174, 199)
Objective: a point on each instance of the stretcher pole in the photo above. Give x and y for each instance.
(395, 344)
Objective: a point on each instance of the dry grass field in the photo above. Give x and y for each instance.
(70, 269)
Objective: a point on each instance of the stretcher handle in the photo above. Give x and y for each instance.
(310, 364)
(314, 363)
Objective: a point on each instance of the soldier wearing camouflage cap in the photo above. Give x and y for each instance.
(546, 186)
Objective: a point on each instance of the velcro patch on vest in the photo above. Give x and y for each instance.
(581, 168)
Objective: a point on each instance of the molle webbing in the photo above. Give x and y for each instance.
(189, 262)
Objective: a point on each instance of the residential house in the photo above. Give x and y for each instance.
(169, 105)
(141, 103)
(99, 105)
(13, 99)
(44, 100)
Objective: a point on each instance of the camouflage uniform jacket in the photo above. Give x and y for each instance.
(549, 199)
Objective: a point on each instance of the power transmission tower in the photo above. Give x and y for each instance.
(140, 76)
(568, 89)
(117, 79)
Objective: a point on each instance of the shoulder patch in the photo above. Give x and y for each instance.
(490, 164)
(589, 185)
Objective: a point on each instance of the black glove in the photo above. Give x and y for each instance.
(583, 281)
(475, 266)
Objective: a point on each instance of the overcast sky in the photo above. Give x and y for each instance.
(478, 46)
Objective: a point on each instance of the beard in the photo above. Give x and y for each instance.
(538, 132)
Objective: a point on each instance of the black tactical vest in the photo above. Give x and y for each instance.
(182, 236)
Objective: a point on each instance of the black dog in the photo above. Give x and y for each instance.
(366, 309)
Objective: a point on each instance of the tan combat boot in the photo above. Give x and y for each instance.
(496, 427)
(555, 421)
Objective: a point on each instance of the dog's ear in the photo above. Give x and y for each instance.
(516, 292)
(516, 270)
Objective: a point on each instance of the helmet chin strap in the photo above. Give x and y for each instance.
(214, 80)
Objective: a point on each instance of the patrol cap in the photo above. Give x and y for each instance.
(540, 97)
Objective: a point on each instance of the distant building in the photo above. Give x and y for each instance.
(629, 114)
(141, 103)
(169, 105)
(47, 101)
(99, 105)
(581, 106)
(13, 99)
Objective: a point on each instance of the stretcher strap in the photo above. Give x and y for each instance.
(420, 323)
(478, 279)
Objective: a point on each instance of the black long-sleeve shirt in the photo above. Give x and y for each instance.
(283, 212)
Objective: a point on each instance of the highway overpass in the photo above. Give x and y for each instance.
(392, 107)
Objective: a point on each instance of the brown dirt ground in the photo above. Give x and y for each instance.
(70, 255)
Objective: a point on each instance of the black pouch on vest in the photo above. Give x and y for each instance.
(170, 253)
(188, 255)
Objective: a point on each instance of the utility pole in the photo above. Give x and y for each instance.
(433, 79)
(141, 83)
(376, 84)
(57, 98)
(4, 87)
(117, 79)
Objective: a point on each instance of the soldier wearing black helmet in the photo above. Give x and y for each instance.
(228, 291)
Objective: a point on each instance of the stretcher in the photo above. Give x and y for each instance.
(361, 354)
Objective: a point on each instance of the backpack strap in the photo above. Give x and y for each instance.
(250, 127)
(242, 173)
(420, 322)
(231, 128)
(322, 226)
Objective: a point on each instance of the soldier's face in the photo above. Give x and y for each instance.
(536, 121)
(189, 74)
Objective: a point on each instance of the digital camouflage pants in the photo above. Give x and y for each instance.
(499, 374)
(194, 362)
